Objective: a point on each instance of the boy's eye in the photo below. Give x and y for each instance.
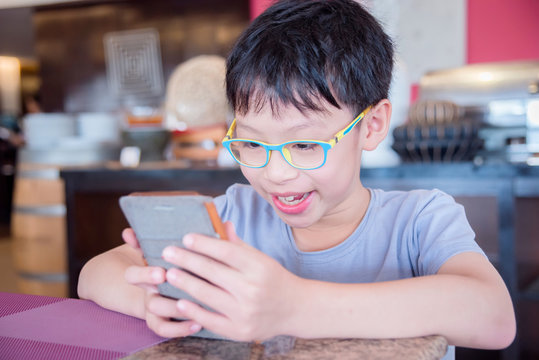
(252, 145)
(305, 146)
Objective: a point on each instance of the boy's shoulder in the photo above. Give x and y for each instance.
(242, 192)
(418, 199)
(415, 195)
(252, 216)
(412, 202)
(241, 197)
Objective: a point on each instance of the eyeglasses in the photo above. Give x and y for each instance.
(301, 154)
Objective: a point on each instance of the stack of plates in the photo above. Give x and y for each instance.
(99, 127)
(46, 130)
(64, 139)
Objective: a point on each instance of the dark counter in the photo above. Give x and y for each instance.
(95, 222)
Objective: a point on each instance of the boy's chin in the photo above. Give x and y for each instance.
(296, 221)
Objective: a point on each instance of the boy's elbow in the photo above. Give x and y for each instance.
(86, 279)
(506, 332)
(492, 329)
(501, 332)
(506, 325)
(81, 285)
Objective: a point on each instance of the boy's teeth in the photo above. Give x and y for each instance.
(293, 200)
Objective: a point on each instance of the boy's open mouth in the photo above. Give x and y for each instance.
(292, 203)
(293, 199)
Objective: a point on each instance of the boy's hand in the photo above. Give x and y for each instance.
(129, 237)
(252, 294)
(158, 310)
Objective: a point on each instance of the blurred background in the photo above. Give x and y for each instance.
(139, 85)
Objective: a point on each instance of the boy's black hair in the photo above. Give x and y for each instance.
(299, 52)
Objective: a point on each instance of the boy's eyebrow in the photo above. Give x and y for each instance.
(252, 129)
(247, 128)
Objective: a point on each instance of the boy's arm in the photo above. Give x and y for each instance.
(119, 280)
(102, 280)
(466, 302)
(256, 298)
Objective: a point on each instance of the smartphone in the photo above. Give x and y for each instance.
(160, 219)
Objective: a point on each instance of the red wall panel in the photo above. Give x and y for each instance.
(502, 30)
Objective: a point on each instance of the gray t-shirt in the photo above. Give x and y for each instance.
(403, 234)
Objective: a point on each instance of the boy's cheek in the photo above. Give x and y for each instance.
(249, 174)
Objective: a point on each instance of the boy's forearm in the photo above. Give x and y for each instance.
(102, 281)
(463, 310)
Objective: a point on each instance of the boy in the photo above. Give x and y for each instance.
(313, 253)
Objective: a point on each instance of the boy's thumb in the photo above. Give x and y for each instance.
(231, 233)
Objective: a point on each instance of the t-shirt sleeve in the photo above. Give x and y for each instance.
(224, 203)
(240, 205)
(441, 230)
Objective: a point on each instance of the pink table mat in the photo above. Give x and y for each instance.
(40, 327)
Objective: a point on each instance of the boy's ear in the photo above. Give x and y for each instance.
(377, 124)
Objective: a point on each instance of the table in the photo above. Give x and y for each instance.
(39, 327)
(429, 347)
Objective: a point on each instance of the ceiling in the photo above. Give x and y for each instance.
(5, 4)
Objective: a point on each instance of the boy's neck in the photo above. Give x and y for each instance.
(333, 230)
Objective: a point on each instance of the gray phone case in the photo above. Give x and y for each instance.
(163, 220)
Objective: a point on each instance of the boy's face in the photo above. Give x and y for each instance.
(306, 198)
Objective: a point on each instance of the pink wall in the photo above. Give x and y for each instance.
(258, 6)
(501, 30)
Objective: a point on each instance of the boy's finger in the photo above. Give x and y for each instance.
(137, 275)
(128, 235)
(235, 253)
(163, 307)
(200, 289)
(212, 321)
(231, 233)
(170, 329)
(212, 270)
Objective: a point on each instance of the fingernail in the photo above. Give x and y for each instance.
(188, 240)
(172, 275)
(168, 253)
(156, 275)
(195, 328)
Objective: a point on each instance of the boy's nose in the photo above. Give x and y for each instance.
(278, 170)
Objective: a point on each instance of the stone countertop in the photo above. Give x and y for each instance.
(281, 348)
